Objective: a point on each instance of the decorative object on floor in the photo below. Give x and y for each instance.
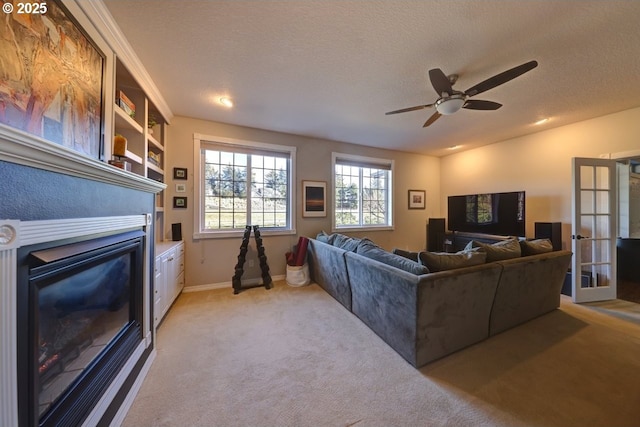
(46, 83)
(451, 100)
(416, 199)
(180, 202)
(179, 173)
(297, 267)
(314, 199)
(239, 268)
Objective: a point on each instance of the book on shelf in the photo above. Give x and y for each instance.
(126, 104)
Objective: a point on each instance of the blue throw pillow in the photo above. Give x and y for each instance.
(413, 256)
(370, 250)
(536, 246)
(441, 261)
(499, 251)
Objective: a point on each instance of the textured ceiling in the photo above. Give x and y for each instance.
(332, 68)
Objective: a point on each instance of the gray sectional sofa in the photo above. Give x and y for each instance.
(428, 315)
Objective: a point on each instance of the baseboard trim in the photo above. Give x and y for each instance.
(223, 285)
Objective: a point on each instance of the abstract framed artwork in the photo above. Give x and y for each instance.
(53, 80)
(417, 199)
(314, 199)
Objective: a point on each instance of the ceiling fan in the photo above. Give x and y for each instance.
(451, 100)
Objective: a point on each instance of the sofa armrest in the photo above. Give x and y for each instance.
(384, 298)
(454, 308)
(423, 317)
(529, 287)
(328, 268)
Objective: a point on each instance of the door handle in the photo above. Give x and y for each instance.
(578, 237)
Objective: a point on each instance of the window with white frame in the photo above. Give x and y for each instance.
(243, 183)
(362, 192)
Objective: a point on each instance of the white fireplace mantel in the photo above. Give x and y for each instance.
(16, 234)
(25, 149)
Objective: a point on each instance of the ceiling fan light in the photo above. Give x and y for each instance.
(446, 106)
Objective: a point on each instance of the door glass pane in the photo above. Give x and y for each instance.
(602, 178)
(586, 251)
(586, 177)
(586, 226)
(602, 202)
(587, 202)
(601, 275)
(602, 227)
(602, 250)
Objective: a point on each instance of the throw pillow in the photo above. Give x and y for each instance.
(534, 247)
(413, 256)
(441, 261)
(504, 249)
(370, 250)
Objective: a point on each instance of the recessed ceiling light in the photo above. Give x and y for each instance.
(226, 102)
(541, 122)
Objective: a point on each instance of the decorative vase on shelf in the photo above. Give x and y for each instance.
(119, 145)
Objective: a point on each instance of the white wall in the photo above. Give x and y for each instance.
(540, 164)
(211, 261)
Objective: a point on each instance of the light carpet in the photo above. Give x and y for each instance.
(296, 357)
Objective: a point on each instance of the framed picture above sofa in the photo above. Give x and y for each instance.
(314, 199)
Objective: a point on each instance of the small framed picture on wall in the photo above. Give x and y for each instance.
(179, 202)
(416, 199)
(179, 173)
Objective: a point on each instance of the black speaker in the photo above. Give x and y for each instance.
(551, 231)
(176, 232)
(435, 234)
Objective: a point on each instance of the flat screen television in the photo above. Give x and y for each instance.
(491, 213)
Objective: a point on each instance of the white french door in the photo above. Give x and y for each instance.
(594, 228)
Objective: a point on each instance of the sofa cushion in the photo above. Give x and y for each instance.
(535, 247)
(345, 242)
(325, 238)
(504, 249)
(413, 256)
(338, 240)
(440, 261)
(370, 250)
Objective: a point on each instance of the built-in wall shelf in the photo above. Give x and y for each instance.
(124, 121)
(144, 127)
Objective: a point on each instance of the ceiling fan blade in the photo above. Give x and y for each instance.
(501, 78)
(435, 116)
(477, 104)
(440, 82)
(404, 110)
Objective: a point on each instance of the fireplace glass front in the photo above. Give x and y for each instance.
(83, 311)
